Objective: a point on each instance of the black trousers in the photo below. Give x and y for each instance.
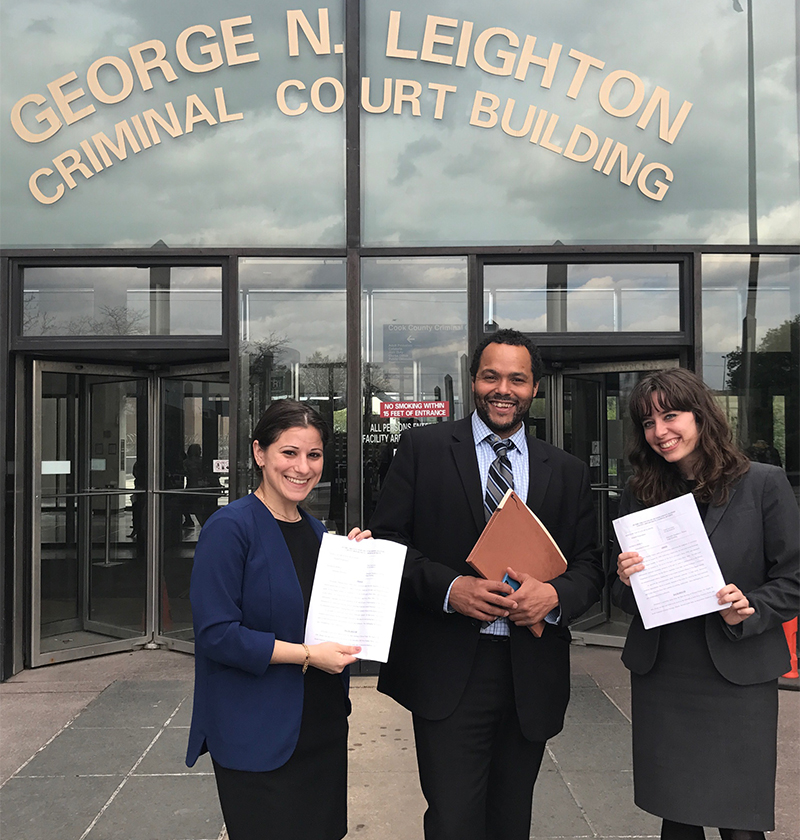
(476, 769)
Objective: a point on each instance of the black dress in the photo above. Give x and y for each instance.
(704, 749)
(306, 798)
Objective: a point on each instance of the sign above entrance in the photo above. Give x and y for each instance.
(111, 79)
(498, 124)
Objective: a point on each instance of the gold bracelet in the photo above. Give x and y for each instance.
(308, 657)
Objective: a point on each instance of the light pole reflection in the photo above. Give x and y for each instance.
(749, 320)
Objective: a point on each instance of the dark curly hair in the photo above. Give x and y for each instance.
(514, 338)
(719, 462)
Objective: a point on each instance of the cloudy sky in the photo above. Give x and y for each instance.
(275, 180)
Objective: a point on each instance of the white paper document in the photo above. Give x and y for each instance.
(681, 576)
(354, 597)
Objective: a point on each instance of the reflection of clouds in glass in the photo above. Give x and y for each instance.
(267, 179)
(610, 297)
(725, 284)
(44, 27)
(492, 188)
(657, 321)
(407, 160)
(185, 300)
(415, 273)
(271, 179)
(780, 225)
(524, 325)
(309, 319)
(405, 300)
(259, 186)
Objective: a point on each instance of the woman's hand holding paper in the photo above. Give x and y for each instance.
(628, 563)
(740, 608)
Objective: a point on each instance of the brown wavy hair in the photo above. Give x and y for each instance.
(719, 462)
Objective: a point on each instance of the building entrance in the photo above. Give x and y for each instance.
(126, 465)
(583, 409)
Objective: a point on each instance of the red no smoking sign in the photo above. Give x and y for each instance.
(415, 409)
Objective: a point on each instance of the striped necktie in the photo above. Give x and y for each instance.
(500, 478)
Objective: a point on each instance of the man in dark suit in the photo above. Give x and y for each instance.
(485, 691)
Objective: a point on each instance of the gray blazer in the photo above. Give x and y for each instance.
(756, 538)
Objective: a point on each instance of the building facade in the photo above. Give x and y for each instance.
(210, 206)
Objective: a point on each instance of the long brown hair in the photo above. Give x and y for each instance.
(718, 462)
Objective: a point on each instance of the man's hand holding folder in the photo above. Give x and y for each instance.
(515, 534)
(534, 598)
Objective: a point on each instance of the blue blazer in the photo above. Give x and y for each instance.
(245, 595)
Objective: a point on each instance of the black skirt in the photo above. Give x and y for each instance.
(306, 797)
(704, 749)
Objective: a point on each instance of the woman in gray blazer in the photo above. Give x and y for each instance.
(704, 690)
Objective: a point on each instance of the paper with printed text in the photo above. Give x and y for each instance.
(681, 575)
(354, 597)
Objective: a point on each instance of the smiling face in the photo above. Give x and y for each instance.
(503, 387)
(673, 434)
(291, 466)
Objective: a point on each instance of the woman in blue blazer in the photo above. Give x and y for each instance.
(271, 710)
(704, 699)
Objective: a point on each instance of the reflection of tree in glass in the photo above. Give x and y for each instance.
(774, 371)
(113, 320)
(34, 321)
(259, 366)
(776, 362)
(321, 376)
(263, 354)
(376, 380)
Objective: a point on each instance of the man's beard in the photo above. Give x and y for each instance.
(520, 411)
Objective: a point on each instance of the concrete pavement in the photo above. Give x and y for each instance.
(93, 750)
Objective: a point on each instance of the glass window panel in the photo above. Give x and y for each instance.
(293, 343)
(122, 301)
(232, 169)
(414, 317)
(751, 351)
(624, 297)
(194, 427)
(470, 162)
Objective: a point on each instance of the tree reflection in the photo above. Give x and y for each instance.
(774, 371)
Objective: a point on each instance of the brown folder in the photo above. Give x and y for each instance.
(514, 536)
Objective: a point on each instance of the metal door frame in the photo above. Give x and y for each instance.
(152, 636)
(155, 492)
(582, 627)
(38, 658)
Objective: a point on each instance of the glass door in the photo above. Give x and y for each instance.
(587, 409)
(193, 434)
(127, 465)
(89, 569)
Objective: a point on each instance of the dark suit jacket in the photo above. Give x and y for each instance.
(245, 595)
(431, 502)
(756, 539)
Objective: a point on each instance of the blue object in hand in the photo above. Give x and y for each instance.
(514, 584)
